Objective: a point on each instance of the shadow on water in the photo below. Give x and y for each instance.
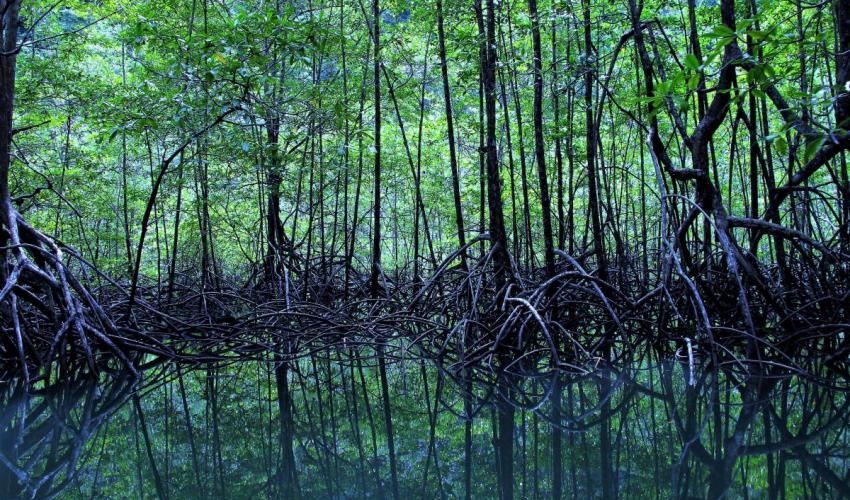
(315, 428)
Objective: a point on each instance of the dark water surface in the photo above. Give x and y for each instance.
(654, 429)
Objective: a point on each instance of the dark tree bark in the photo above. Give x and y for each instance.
(161, 492)
(450, 131)
(842, 63)
(8, 61)
(523, 169)
(376, 208)
(498, 236)
(591, 143)
(539, 146)
(172, 266)
(388, 421)
(842, 108)
(352, 239)
(559, 156)
(287, 479)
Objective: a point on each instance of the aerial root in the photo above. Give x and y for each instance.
(572, 320)
(49, 310)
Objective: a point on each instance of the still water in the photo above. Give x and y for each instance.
(655, 427)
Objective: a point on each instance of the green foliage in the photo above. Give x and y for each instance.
(140, 80)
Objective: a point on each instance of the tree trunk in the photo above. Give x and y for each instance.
(376, 208)
(590, 123)
(539, 146)
(450, 131)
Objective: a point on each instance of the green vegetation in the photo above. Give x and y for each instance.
(510, 190)
(211, 111)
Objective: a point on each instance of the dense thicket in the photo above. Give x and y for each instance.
(558, 179)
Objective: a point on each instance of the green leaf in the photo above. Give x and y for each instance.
(755, 75)
(758, 35)
(692, 62)
(812, 148)
(693, 81)
(781, 145)
(722, 31)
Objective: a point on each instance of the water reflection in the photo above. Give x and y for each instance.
(317, 428)
(45, 431)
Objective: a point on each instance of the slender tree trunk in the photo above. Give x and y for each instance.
(506, 116)
(526, 203)
(287, 476)
(376, 208)
(539, 146)
(372, 432)
(842, 63)
(349, 256)
(842, 107)
(125, 203)
(450, 131)
(172, 266)
(590, 123)
(161, 492)
(559, 156)
(191, 432)
(498, 236)
(388, 421)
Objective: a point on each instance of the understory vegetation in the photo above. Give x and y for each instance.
(508, 189)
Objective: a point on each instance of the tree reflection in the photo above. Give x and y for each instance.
(44, 431)
(313, 428)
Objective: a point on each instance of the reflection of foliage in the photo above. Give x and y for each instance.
(728, 232)
(44, 431)
(668, 438)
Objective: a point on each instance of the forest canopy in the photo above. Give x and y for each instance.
(560, 177)
(527, 193)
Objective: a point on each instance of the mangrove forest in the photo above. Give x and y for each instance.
(392, 249)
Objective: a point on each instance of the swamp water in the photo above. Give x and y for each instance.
(648, 429)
